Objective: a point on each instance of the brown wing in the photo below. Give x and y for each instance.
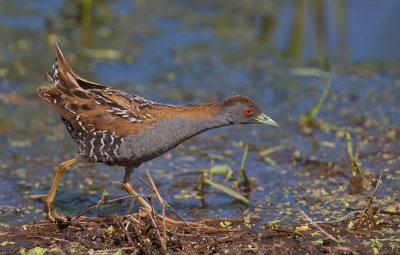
(90, 106)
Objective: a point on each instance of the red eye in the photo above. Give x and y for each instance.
(248, 111)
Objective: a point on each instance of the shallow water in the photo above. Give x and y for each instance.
(185, 51)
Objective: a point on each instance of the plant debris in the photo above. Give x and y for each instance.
(131, 234)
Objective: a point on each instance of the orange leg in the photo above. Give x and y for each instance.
(50, 211)
(128, 188)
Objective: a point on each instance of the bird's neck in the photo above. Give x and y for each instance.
(168, 133)
(190, 120)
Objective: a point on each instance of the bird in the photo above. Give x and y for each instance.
(114, 127)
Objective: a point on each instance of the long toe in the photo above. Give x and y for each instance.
(43, 196)
(49, 213)
(49, 210)
(128, 188)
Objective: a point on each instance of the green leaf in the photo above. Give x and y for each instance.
(105, 54)
(316, 233)
(309, 72)
(227, 190)
(313, 112)
(119, 252)
(6, 242)
(222, 169)
(274, 221)
(319, 241)
(354, 164)
(349, 144)
(225, 224)
(243, 171)
(271, 162)
(271, 150)
(215, 156)
(110, 230)
(36, 251)
(246, 149)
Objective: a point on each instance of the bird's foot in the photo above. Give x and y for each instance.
(49, 210)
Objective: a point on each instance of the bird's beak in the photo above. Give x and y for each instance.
(264, 119)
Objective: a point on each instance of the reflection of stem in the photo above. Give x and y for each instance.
(320, 29)
(341, 28)
(200, 185)
(296, 40)
(86, 12)
(247, 180)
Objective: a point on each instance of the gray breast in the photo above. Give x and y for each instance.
(161, 137)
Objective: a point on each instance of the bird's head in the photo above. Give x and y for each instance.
(243, 110)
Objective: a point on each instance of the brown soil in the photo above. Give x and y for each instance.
(114, 234)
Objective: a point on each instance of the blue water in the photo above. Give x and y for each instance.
(185, 51)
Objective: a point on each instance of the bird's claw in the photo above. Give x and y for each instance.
(49, 210)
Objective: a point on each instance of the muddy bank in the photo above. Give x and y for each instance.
(364, 231)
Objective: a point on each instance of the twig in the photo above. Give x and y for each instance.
(389, 213)
(232, 238)
(317, 226)
(164, 240)
(371, 198)
(139, 234)
(152, 216)
(102, 202)
(59, 250)
(341, 218)
(166, 203)
(116, 249)
(191, 225)
(339, 247)
(126, 233)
